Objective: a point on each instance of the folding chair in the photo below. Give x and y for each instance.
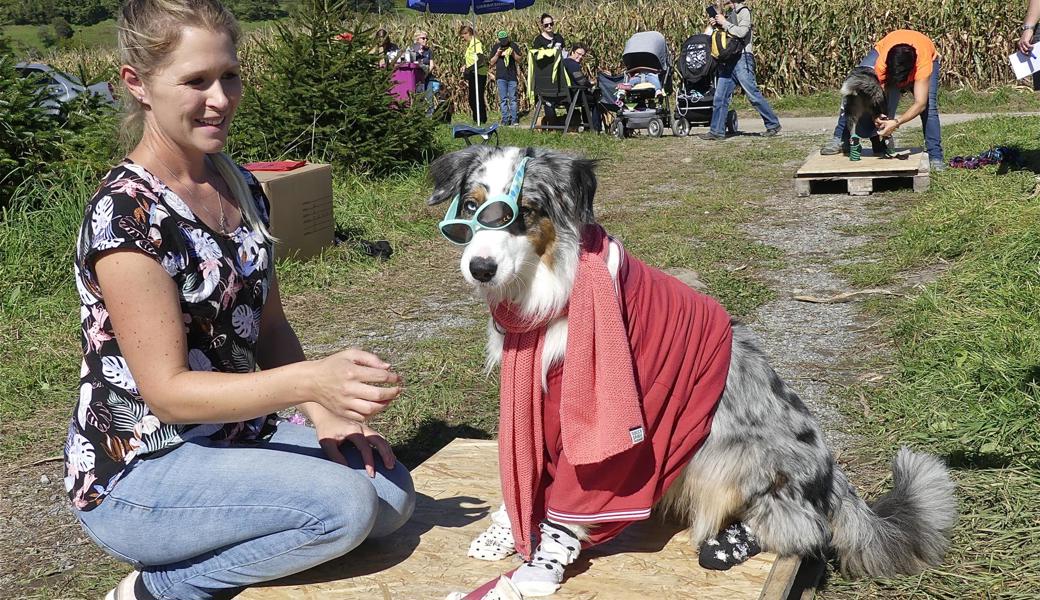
(549, 87)
(467, 131)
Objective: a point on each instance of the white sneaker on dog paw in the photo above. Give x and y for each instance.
(496, 543)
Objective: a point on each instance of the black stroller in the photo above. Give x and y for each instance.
(640, 107)
(696, 94)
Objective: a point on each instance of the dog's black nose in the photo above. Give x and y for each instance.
(482, 268)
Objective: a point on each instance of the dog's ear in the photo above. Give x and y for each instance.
(570, 180)
(583, 186)
(449, 172)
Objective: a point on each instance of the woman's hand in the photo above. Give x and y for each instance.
(333, 432)
(347, 384)
(885, 126)
(1025, 42)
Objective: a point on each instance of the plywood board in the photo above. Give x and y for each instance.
(818, 165)
(457, 488)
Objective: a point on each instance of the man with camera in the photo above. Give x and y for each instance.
(737, 25)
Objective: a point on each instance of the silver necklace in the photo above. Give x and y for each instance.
(220, 200)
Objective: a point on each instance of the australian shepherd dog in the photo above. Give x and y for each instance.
(523, 217)
(863, 97)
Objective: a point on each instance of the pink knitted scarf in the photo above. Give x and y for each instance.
(600, 413)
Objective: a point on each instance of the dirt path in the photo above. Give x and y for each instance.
(813, 345)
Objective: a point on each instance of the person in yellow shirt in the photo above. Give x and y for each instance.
(904, 60)
(475, 60)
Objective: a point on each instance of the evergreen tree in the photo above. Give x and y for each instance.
(62, 29)
(5, 46)
(255, 10)
(323, 97)
(29, 137)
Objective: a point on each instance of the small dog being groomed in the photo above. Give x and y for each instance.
(624, 390)
(863, 97)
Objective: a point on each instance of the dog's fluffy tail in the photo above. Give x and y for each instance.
(901, 533)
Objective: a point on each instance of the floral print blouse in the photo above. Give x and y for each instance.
(222, 282)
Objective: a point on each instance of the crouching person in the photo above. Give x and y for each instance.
(175, 460)
(903, 60)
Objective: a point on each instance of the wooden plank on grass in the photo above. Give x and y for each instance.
(818, 165)
(778, 585)
(860, 186)
(457, 488)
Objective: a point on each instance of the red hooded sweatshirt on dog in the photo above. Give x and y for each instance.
(680, 341)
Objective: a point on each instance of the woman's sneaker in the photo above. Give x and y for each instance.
(126, 590)
(833, 146)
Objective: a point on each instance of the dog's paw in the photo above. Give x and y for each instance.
(496, 543)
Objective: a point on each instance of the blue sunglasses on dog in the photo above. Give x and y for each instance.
(498, 212)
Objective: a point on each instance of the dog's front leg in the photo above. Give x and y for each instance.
(497, 541)
(559, 546)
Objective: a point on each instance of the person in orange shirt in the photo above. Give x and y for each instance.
(904, 60)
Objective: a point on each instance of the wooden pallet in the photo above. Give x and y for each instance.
(457, 488)
(860, 175)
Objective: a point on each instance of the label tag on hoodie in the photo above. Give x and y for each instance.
(637, 434)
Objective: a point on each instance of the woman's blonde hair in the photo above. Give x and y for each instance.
(148, 32)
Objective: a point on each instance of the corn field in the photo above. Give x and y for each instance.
(800, 47)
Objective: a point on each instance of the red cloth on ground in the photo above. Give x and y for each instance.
(679, 342)
(278, 165)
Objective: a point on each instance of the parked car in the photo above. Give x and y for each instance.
(62, 87)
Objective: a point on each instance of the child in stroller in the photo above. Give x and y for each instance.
(641, 80)
(641, 96)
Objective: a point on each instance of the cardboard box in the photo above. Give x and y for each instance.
(301, 209)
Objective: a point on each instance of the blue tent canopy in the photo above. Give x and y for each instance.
(464, 7)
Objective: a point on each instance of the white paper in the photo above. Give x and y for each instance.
(1025, 65)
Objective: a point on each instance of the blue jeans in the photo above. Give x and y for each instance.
(507, 101)
(652, 78)
(205, 521)
(741, 71)
(427, 89)
(929, 118)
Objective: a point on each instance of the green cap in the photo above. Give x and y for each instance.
(503, 34)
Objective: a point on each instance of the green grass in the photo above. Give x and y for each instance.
(964, 376)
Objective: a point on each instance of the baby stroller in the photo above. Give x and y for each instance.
(696, 94)
(640, 107)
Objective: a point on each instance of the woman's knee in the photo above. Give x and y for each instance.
(396, 493)
(346, 506)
